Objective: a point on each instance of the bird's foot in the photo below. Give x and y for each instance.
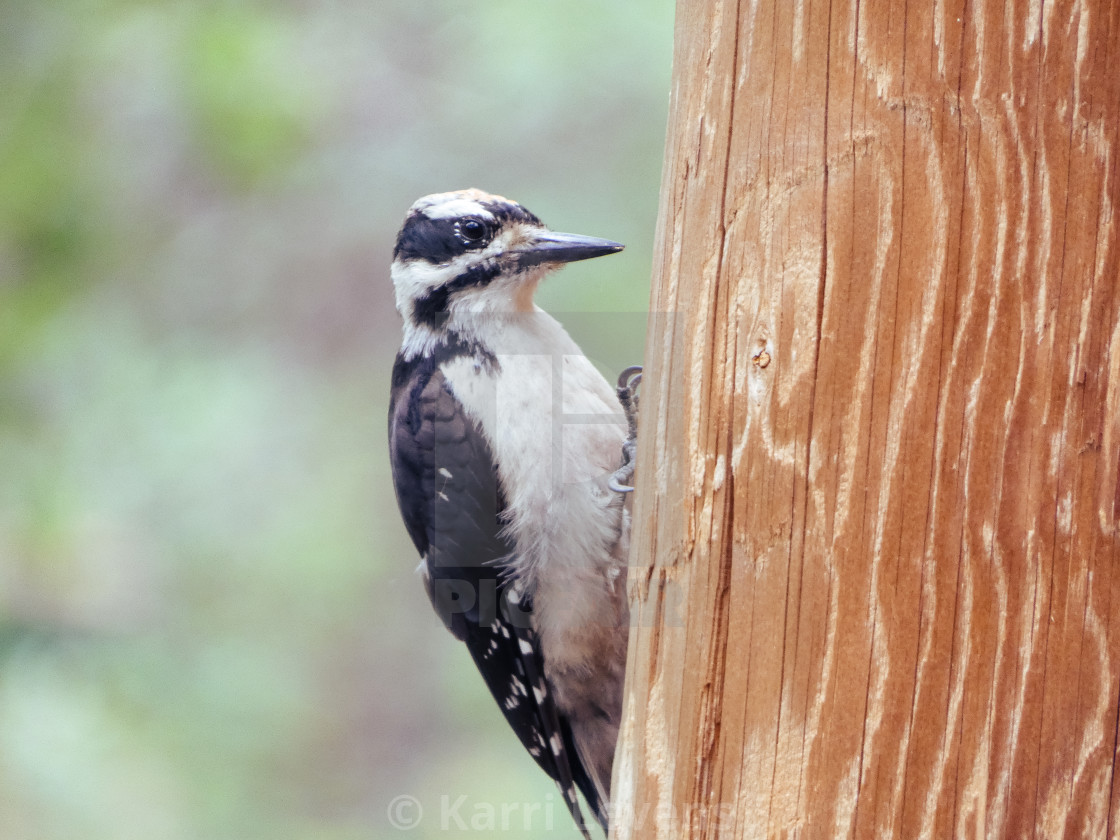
(621, 480)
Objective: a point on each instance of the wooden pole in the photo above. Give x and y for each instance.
(876, 581)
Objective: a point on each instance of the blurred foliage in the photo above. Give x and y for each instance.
(209, 621)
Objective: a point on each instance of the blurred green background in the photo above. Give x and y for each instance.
(209, 622)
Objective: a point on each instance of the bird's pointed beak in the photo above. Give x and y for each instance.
(547, 246)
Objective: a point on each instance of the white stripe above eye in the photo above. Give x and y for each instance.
(454, 208)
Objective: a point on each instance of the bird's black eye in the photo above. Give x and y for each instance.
(472, 230)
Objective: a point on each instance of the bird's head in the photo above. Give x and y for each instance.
(466, 253)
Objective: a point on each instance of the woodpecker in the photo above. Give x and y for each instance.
(510, 454)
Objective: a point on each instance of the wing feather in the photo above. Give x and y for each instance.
(451, 499)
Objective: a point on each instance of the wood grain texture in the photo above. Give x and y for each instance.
(876, 583)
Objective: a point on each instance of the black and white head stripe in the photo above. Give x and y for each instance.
(443, 226)
(476, 252)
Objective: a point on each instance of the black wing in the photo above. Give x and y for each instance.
(451, 500)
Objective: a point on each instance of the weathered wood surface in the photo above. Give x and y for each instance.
(876, 589)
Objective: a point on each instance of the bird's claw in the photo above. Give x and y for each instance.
(630, 378)
(628, 382)
(620, 479)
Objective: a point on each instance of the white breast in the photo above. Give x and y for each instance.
(556, 430)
